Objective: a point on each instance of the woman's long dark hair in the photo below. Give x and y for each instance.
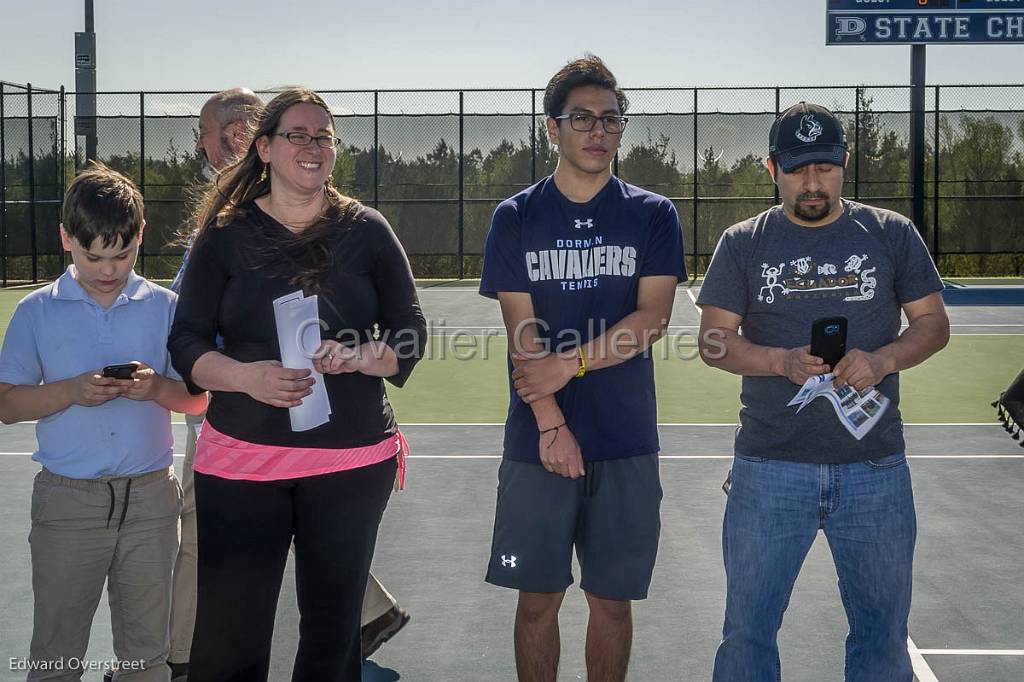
(306, 255)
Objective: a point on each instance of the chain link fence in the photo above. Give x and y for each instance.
(436, 163)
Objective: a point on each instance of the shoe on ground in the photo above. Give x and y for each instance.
(179, 671)
(381, 629)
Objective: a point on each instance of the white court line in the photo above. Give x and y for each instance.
(922, 670)
(972, 652)
(468, 327)
(173, 423)
(450, 290)
(681, 424)
(178, 454)
(23, 286)
(689, 292)
(686, 424)
(488, 328)
(965, 456)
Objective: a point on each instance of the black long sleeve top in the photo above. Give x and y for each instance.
(230, 283)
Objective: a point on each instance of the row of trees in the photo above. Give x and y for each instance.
(981, 171)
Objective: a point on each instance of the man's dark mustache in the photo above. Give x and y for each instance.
(807, 196)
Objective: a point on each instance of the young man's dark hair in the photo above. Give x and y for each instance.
(102, 203)
(589, 70)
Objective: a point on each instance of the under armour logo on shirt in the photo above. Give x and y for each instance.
(508, 561)
(580, 224)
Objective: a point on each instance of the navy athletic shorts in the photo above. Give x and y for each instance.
(611, 516)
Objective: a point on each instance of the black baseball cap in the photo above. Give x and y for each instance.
(806, 133)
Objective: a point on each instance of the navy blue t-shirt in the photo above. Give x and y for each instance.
(581, 265)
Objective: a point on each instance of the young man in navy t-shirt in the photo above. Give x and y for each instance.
(585, 268)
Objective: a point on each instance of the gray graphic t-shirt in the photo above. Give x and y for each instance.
(780, 278)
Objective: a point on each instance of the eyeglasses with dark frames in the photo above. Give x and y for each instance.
(303, 139)
(583, 123)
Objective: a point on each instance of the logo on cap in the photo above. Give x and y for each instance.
(809, 130)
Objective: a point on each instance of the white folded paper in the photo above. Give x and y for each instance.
(858, 412)
(298, 335)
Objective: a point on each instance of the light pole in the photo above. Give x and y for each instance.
(85, 82)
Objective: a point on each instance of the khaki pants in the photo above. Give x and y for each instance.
(183, 596)
(120, 530)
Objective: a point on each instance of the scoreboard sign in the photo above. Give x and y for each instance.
(922, 22)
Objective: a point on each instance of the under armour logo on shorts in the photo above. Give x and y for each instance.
(508, 561)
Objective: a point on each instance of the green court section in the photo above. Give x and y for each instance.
(956, 385)
(8, 301)
(463, 379)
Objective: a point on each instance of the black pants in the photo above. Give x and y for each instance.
(244, 531)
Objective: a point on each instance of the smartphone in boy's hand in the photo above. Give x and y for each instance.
(122, 371)
(145, 383)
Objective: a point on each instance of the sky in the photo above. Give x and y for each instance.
(213, 44)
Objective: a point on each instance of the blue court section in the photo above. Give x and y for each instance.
(958, 294)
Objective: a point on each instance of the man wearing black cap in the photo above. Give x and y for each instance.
(815, 256)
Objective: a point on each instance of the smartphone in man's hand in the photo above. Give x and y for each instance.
(828, 340)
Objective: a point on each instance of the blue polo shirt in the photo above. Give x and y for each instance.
(582, 265)
(59, 332)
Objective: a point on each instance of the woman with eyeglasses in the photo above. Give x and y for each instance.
(270, 225)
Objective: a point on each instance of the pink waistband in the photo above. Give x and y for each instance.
(227, 457)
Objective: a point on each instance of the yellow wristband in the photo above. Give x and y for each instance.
(583, 364)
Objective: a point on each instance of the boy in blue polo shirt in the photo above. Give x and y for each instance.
(585, 267)
(105, 505)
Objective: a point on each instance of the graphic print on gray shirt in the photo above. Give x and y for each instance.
(781, 277)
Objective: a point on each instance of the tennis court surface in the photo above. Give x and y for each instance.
(967, 621)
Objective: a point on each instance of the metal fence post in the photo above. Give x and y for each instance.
(63, 142)
(3, 186)
(376, 148)
(462, 186)
(775, 188)
(75, 165)
(696, 190)
(917, 136)
(32, 188)
(142, 172)
(615, 162)
(935, 175)
(63, 175)
(533, 137)
(856, 144)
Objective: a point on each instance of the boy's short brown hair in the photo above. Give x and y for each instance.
(102, 203)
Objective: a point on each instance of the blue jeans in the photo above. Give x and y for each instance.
(774, 511)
